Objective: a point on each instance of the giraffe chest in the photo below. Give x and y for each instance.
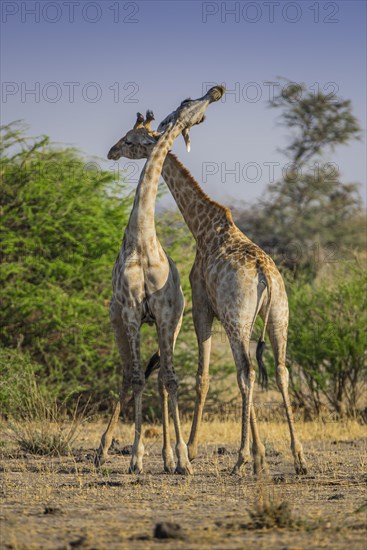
(140, 280)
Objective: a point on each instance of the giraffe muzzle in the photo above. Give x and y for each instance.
(113, 154)
(215, 93)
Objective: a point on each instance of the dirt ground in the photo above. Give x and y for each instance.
(63, 503)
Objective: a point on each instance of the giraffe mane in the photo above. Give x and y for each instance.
(206, 197)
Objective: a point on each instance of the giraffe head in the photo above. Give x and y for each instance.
(138, 142)
(191, 111)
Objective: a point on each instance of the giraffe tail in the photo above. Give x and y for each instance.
(263, 374)
(154, 364)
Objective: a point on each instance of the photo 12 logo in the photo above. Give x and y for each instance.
(268, 171)
(69, 92)
(269, 12)
(69, 12)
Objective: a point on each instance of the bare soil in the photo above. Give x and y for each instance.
(64, 503)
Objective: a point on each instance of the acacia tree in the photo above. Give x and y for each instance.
(62, 224)
(309, 216)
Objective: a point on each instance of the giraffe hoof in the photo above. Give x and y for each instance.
(299, 463)
(168, 461)
(98, 460)
(242, 460)
(184, 470)
(301, 469)
(135, 469)
(260, 468)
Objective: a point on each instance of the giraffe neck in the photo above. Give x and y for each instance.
(206, 219)
(141, 226)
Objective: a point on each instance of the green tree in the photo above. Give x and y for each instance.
(327, 342)
(318, 121)
(62, 222)
(310, 216)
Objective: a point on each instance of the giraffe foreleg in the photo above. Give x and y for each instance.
(137, 383)
(124, 350)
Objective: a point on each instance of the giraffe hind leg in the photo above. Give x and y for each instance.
(277, 332)
(258, 449)
(203, 319)
(246, 378)
(168, 460)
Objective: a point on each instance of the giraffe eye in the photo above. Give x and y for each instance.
(128, 143)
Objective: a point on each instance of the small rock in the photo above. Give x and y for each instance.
(52, 510)
(338, 496)
(80, 541)
(218, 523)
(223, 451)
(167, 530)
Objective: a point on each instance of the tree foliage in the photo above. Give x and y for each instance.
(327, 341)
(310, 216)
(61, 228)
(318, 121)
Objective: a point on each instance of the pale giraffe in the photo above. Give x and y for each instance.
(146, 288)
(234, 280)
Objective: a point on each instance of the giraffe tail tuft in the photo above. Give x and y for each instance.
(263, 375)
(154, 364)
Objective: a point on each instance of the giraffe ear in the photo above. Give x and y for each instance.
(148, 140)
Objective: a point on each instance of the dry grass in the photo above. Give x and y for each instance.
(45, 430)
(44, 438)
(276, 432)
(63, 502)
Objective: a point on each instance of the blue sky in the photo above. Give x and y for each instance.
(94, 64)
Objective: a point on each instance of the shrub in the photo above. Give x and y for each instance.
(327, 341)
(62, 227)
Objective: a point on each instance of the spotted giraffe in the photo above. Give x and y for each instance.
(146, 288)
(233, 280)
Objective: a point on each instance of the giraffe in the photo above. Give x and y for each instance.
(233, 280)
(146, 288)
